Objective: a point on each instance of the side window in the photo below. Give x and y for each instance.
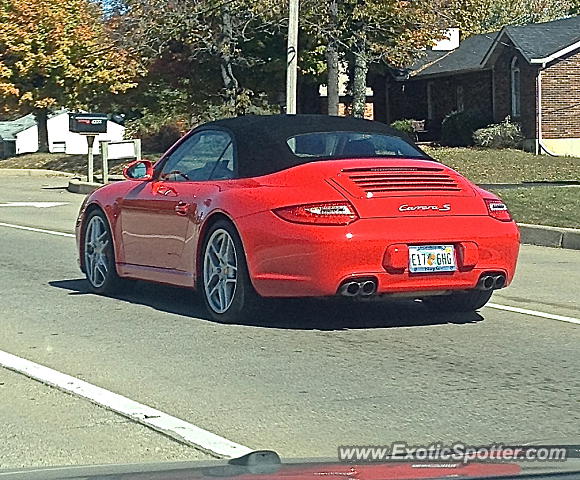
(387, 145)
(207, 154)
(224, 168)
(515, 84)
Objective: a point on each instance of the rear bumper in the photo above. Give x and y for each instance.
(292, 260)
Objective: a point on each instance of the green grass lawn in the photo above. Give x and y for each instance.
(479, 165)
(506, 166)
(66, 163)
(555, 206)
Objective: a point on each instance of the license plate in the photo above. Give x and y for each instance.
(432, 258)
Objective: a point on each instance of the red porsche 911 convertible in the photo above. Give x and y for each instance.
(299, 206)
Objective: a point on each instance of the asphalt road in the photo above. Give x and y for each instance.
(302, 381)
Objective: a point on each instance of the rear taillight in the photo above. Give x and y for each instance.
(499, 210)
(332, 213)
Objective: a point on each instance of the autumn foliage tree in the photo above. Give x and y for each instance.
(208, 35)
(483, 16)
(58, 53)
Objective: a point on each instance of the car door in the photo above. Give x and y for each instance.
(155, 215)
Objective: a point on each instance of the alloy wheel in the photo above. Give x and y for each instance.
(96, 247)
(220, 271)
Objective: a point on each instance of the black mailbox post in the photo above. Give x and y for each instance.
(88, 123)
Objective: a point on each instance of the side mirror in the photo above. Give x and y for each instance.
(139, 170)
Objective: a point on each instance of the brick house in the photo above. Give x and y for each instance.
(530, 72)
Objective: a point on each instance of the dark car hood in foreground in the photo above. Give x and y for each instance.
(304, 470)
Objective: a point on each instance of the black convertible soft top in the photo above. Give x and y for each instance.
(261, 140)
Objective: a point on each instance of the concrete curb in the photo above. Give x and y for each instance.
(550, 236)
(32, 172)
(78, 186)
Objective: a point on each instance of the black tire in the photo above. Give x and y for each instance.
(109, 281)
(246, 302)
(459, 302)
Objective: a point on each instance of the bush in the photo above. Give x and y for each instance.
(157, 132)
(458, 127)
(160, 130)
(404, 126)
(244, 102)
(500, 135)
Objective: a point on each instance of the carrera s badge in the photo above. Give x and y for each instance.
(412, 208)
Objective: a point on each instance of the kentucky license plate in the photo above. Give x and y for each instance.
(432, 258)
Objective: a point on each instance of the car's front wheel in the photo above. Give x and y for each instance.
(99, 256)
(225, 281)
(459, 302)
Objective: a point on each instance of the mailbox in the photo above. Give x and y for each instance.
(88, 123)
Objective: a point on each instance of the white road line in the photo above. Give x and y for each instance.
(33, 204)
(497, 306)
(39, 230)
(535, 313)
(157, 420)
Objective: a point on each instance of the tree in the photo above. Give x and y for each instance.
(370, 31)
(321, 21)
(208, 33)
(58, 53)
(483, 16)
(332, 60)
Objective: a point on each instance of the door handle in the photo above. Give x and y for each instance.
(164, 190)
(182, 208)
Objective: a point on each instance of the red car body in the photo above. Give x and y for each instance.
(158, 227)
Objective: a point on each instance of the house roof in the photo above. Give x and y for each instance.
(542, 42)
(538, 43)
(466, 57)
(9, 130)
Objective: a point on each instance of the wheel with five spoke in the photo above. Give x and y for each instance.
(99, 256)
(225, 282)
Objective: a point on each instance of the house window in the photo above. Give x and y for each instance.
(430, 100)
(516, 90)
(460, 100)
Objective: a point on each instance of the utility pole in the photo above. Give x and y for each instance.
(292, 71)
(332, 66)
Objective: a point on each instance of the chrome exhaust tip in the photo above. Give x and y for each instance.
(499, 281)
(350, 289)
(368, 288)
(486, 282)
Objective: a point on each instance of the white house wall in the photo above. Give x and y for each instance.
(27, 140)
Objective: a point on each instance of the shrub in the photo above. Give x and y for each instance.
(160, 130)
(458, 127)
(157, 132)
(404, 126)
(506, 134)
(244, 102)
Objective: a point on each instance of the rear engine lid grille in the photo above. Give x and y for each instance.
(385, 181)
